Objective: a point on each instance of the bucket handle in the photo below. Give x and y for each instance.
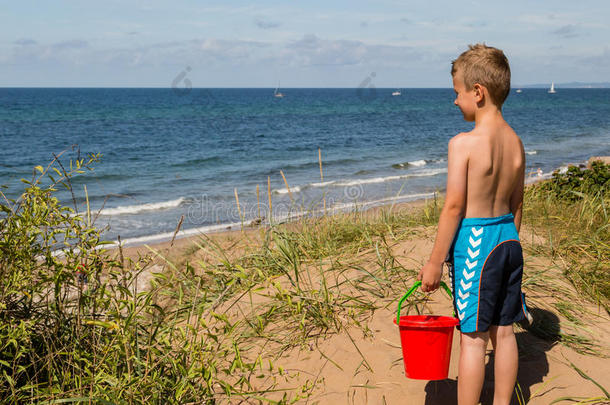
(417, 284)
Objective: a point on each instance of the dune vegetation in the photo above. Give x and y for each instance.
(210, 325)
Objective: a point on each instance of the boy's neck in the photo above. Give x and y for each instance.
(486, 114)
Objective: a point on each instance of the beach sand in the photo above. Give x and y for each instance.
(353, 367)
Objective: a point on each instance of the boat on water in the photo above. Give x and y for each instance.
(396, 93)
(519, 90)
(552, 89)
(277, 93)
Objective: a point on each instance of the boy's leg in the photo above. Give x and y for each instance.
(471, 371)
(506, 356)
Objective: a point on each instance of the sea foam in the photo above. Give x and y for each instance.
(134, 209)
(294, 189)
(416, 163)
(423, 173)
(355, 182)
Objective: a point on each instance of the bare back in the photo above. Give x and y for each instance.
(495, 170)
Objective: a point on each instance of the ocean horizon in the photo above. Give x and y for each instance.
(176, 152)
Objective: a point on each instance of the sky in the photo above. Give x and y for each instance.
(341, 43)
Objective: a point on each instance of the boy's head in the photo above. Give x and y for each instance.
(485, 66)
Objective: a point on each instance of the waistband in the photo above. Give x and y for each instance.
(484, 221)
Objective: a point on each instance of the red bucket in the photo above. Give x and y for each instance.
(426, 342)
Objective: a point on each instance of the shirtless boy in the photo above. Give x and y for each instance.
(479, 224)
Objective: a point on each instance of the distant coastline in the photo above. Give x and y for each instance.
(568, 85)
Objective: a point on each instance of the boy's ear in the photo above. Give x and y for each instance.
(478, 92)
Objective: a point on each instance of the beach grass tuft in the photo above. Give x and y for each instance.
(572, 218)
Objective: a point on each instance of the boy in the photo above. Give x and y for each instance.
(479, 224)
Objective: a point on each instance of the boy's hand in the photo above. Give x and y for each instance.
(430, 276)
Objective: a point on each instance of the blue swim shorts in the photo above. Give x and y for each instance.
(485, 267)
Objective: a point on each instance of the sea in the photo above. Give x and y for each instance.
(214, 159)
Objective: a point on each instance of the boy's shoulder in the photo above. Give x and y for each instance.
(471, 139)
(461, 142)
(467, 147)
(461, 138)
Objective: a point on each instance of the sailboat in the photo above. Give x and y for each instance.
(277, 92)
(552, 89)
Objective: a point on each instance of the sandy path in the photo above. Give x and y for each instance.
(351, 368)
(357, 368)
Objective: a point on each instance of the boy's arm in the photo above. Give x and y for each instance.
(516, 198)
(453, 211)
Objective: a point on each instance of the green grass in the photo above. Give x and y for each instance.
(603, 399)
(576, 237)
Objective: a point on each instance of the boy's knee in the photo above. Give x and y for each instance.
(475, 340)
(500, 332)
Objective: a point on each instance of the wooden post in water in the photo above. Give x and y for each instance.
(269, 195)
(258, 203)
(241, 218)
(322, 177)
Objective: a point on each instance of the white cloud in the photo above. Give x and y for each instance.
(265, 25)
(311, 50)
(566, 31)
(71, 44)
(25, 42)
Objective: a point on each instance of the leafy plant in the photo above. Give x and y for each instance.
(75, 325)
(576, 182)
(570, 212)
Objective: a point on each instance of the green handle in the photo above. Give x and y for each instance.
(417, 284)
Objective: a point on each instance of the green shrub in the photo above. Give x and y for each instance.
(75, 326)
(36, 293)
(576, 182)
(571, 212)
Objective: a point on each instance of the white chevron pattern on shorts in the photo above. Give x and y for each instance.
(474, 243)
(463, 293)
(473, 254)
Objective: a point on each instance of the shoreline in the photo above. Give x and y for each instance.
(184, 238)
(254, 223)
(181, 236)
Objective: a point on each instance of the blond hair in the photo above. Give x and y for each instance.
(486, 66)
